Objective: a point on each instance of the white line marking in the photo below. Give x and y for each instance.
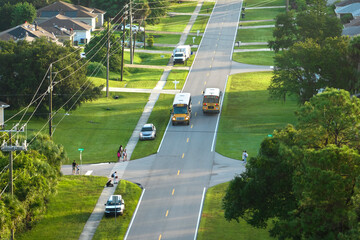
(217, 121)
(88, 173)
(237, 27)
(164, 135)
(200, 211)
(133, 217)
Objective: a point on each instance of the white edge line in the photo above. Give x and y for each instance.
(237, 29)
(200, 211)
(217, 122)
(164, 135)
(187, 77)
(133, 217)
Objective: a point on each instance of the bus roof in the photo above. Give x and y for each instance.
(182, 98)
(212, 92)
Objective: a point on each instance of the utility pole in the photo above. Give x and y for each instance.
(287, 5)
(50, 101)
(122, 49)
(107, 58)
(11, 148)
(131, 53)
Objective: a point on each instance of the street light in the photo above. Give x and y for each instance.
(81, 150)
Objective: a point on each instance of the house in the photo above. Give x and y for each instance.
(91, 16)
(353, 9)
(27, 32)
(65, 28)
(352, 29)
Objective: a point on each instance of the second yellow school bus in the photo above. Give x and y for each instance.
(211, 100)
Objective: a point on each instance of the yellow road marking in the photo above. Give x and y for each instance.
(187, 140)
(204, 84)
(160, 237)
(183, 155)
(195, 114)
(207, 74)
(173, 191)
(167, 212)
(199, 102)
(210, 65)
(178, 172)
(192, 125)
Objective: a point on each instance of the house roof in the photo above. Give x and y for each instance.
(26, 31)
(346, 2)
(67, 9)
(60, 25)
(351, 31)
(353, 8)
(4, 105)
(352, 23)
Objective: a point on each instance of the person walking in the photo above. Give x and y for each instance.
(244, 156)
(125, 155)
(73, 167)
(114, 177)
(121, 150)
(118, 155)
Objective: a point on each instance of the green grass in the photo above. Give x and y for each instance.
(68, 210)
(115, 228)
(251, 47)
(159, 117)
(213, 225)
(257, 58)
(207, 7)
(262, 3)
(166, 38)
(255, 35)
(178, 75)
(189, 40)
(148, 58)
(159, 48)
(133, 78)
(262, 14)
(248, 115)
(183, 7)
(260, 23)
(200, 24)
(171, 24)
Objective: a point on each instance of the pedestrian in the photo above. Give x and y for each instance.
(118, 155)
(114, 177)
(121, 149)
(77, 169)
(244, 156)
(125, 155)
(73, 167)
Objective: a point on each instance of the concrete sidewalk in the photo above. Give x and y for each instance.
(120, 167)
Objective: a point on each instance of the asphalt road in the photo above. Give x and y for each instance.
(181, 170)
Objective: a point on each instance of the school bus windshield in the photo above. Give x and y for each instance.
(208, 99)
(180, 110)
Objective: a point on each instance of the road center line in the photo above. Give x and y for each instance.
(187, 140)
(192, 125)
(195, 114)
(178, 172)
(183, 155)
(167, 213)
(160, 237)
(173, 191)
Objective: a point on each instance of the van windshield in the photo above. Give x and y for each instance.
(179, 54)
(180, 110)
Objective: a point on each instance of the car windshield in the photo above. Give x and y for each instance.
(146, 129)
(112, 203)
(180, 110)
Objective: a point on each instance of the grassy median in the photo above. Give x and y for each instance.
(265, 58)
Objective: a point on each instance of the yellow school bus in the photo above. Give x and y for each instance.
(181, 110)
(211, 100)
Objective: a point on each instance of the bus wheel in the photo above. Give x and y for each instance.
(173, 123)
(188, 123)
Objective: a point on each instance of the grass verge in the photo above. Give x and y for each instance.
(248, 116)
(262, 3)
(193, 40)
(171, 24)
(213, 225)
(251, 47)
(148, 58)
(265, 58)
(68, 210)
(178, 75)
(200, 24)
(165, 38)
(115, 228)
(207, 7)
(255, 35)
(262, 14)
(183, 7)
(260, 23)
(159, 117)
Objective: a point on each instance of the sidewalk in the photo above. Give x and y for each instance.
(98, 212)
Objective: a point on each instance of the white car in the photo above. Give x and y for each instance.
(148, 131)
(115, 205)
(134, 27)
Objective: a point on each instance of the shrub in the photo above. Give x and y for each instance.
(150, 41)
(96, 68)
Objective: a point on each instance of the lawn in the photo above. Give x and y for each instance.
(259, 23)
(133, 78)
(262, 3)
(68, 210)
(262, 14)
(115, 228)
(193, 40)
(265, 58)
(178, 75)
(200, 24)
(248, 115)
(159, 48)
(207, 7)
(171, 24)
(251, 47)
(148, 58)
(183, 7)
(159, 117)
(165, 38)
(213, 225)
(255, 35)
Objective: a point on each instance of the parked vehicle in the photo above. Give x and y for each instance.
(115, 206)
(148, 131)
(181, 53)
(134, 27)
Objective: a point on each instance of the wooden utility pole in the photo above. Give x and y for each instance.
(50, 101)
(130, 41)
(122, 50)
(107, 58)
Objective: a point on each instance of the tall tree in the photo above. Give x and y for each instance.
(305, 180)
(6, 15)
(23, 12)
(158, 9)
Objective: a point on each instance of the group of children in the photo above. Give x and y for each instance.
(121, 154)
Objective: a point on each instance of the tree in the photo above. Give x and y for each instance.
(23, 66)
(23, 12)
(158, 9)
(305, 179)
(5, 13)
(285, 32)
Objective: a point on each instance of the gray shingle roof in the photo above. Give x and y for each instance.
(25, 31)
(60, 21)
(65, 9)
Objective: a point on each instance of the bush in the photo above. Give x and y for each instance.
(96, 68)
(150, 41)
(346, 18)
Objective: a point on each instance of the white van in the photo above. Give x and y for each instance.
(181, 53)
